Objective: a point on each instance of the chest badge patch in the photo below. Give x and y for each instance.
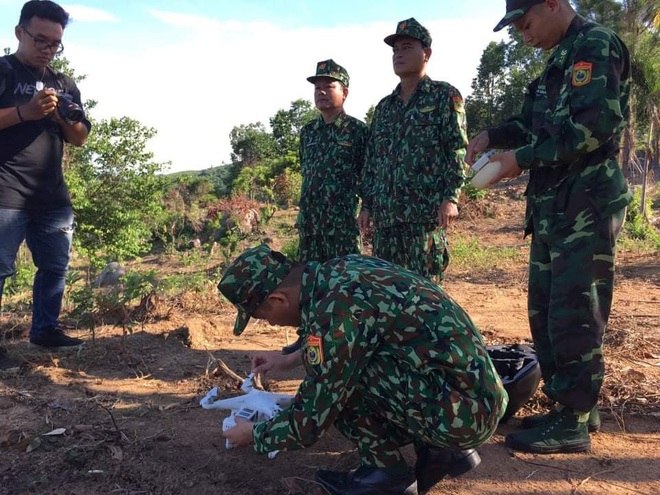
(314, 350)
(582, 73)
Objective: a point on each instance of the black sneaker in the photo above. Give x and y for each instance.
(8, 366)
(56, 340)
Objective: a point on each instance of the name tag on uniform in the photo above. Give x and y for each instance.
(427, 109)
(347, 144)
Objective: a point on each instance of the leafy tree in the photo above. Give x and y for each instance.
(250, 144)
(255, 183)
(483, 105)
(606, 12)
(115, 189)
(287, 187)
(219, 178)
(369, 117)
(505, 70)
(185, 204)
(287, 124)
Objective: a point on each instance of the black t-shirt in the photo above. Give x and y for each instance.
(31, 152)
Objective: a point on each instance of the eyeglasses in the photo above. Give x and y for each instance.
(42, 43)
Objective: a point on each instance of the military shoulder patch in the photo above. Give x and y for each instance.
(582, 73)
(314, 350)
(458, 104)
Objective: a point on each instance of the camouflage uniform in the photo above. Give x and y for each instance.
(567, 136)
(415, 161)
(331, 160)
(390, 359)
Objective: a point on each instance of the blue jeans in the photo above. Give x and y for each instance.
(48, 234)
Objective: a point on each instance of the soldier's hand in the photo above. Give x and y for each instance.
(264, 362)
(509, 169)
(241, 434)
(447, 212)
(477, 144)
(364, 220)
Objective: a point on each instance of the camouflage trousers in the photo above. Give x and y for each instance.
(418, 247)
(571, 280)
(392, 407)
(330, 244)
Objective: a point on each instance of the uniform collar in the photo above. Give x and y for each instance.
(424, 85)
(562, 52)
(319, 123)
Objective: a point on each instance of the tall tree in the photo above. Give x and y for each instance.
(483, 106)
(250, 144)
(286, 125)
(503, 74)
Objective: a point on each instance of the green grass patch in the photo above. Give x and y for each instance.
(469, 253)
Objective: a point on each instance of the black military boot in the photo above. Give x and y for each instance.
(367, 481)
(435, 463)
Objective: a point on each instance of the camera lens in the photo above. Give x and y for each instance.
(69, 110)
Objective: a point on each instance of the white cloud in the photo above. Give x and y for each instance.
(229, 73)
(82, 13)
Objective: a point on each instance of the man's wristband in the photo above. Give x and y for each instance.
(18, 112)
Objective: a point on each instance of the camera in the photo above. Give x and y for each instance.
(69, 110)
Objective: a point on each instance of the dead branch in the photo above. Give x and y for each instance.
(224, 370)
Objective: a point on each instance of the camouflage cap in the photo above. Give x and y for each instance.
(331, 69)
(410, 27)
(515, 9)
(250, 278)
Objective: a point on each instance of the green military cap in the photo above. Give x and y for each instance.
(251, 278)
(331, 69)
(410, 27)
(515, 9)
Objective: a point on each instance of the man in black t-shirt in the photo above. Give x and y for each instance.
(34, 200)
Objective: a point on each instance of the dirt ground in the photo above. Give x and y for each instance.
(128, 403)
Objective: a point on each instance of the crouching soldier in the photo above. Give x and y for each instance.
(390, 359)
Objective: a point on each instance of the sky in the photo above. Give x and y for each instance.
(194, 69)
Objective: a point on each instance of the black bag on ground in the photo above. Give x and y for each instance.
(520, 372)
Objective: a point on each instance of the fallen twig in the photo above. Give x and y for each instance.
(586, 480)
(224, 369)
(120, 435)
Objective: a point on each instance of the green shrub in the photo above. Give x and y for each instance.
(290, 248)
(637, 228)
